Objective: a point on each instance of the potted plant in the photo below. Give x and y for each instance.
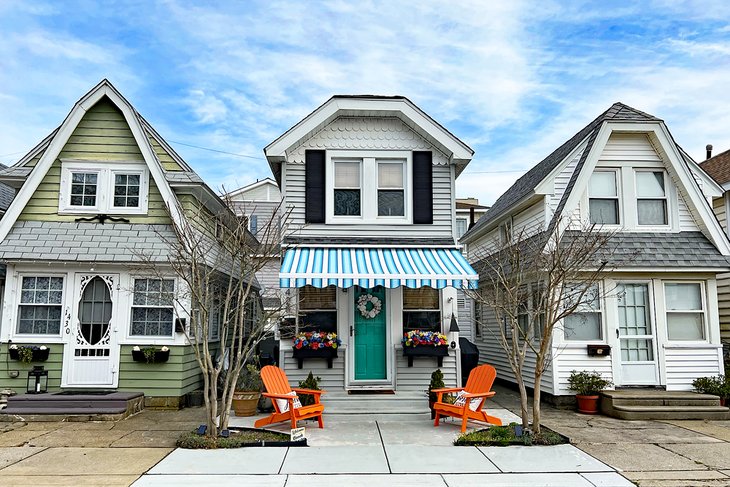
(150, 355)
(311, 382)
(29, 353)
(248, 391)
(419, 343)
(437, 382)
(315, 344)
(587, 386)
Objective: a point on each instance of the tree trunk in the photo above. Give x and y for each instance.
(524, 409)
(536, 416)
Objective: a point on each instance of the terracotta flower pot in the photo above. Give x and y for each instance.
(245, 402)
(587, 404)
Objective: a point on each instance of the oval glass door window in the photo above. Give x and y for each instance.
(95, 311)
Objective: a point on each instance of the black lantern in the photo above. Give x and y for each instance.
(453, 329)
(37, 380)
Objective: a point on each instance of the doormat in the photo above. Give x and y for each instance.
(83, 393)
(356, 392)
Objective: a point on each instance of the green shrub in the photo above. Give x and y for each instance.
(311, 382)
(587, 383)
(249, 379)
(716, 385)
(437, 382)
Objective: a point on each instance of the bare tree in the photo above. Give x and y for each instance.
(532, 283)
(215, 260)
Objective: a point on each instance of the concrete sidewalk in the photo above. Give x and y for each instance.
(385, 450)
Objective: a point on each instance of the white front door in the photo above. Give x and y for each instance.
(93, 355)
(637, 336)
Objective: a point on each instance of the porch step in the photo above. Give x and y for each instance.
(72, 405)
(398, 403)
(641, 404)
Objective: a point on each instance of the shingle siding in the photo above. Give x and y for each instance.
(67, 241)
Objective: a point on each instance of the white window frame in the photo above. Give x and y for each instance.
(402, 164)
(360, 163)
(619, 197)
(456, 225)
(667, 201)
(440, 310)
(105, 171)
(583, 308)
(130, 334)
(369, 186)
(32, 337)
(703, 311)
(506, 232)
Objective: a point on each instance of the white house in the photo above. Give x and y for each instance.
(368, 182)
(624, 172)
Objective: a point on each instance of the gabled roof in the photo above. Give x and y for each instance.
(718, 167)
(525, 186)
(48, 150)
(369, 105)
(249, 187)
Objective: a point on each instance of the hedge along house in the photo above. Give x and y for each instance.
(370, 249)
(100, 191)
(657, 310)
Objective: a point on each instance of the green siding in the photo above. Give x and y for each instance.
(165, 158)
(53, 366)
(102, 134)
(174, 378)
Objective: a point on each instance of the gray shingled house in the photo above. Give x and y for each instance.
(624, 172)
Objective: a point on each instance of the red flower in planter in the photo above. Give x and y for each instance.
(315, 345)
(299, 345)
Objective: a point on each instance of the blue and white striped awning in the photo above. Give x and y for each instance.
(370, 267)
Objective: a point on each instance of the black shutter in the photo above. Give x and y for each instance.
(422, 187)
(314, 186)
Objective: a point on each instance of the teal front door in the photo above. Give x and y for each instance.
(370, 334)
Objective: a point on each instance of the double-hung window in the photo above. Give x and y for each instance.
(603, 198)
(347, 188)
(651, 198)
(460, 227)
(586, 322)
(39, 311)
(391, 188)
(103, 187)
(685, 311)
(369, 187)
(152, 307)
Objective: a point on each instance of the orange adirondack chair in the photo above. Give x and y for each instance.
(478, 388)
(277, 387)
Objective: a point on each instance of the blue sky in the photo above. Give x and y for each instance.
(512, 79)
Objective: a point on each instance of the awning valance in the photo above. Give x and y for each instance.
(370, 267)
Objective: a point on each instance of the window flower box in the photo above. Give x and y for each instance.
(315, 344)
(29, 353)
(419, 343)
(150, 355)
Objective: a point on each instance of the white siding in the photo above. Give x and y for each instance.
(465, 318)
(491, 352)
(332, 379)
(572, 357)
(562, 179)
(418, 377)
(442, 221)
(530, 221)
(683, 365)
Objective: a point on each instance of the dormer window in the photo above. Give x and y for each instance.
(651, 198)
(113, 188)
(603, 198)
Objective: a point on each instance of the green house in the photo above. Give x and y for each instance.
(99, 192)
